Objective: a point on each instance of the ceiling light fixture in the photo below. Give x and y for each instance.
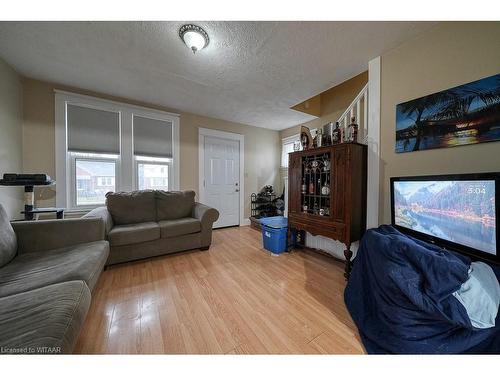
(194, 37)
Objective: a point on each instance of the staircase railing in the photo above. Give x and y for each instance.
(358, 109)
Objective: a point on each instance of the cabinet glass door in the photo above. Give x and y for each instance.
(315, 189)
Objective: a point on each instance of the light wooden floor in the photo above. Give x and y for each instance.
(234, 298)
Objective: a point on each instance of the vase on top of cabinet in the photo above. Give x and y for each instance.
(334, 205)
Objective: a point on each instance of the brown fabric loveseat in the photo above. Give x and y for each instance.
(147, 223)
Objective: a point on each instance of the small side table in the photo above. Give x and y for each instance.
(30, 215)
(29, 194)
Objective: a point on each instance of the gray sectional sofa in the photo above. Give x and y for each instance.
(47, 272)
(49, 268)
(146, 223)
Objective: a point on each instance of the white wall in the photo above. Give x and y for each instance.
(11, 117)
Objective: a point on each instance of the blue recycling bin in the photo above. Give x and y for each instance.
(274, 233)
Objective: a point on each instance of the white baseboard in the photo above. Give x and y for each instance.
(329, 246)
(245, 222)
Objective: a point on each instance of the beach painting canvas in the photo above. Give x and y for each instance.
(462, 115)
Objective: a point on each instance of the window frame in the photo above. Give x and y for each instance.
(158, 161)
(125, 178)
(284, 141)
(73, 157)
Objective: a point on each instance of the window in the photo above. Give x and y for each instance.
(287, 147)
(152, 173)
(94, 177)
(104, 146)
(153, 152)
(93, 150)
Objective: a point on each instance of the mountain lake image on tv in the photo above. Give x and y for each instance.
(459, 211)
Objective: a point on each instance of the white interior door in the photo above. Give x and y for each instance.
(222, 179)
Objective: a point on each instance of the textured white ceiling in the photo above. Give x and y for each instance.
(251, 72)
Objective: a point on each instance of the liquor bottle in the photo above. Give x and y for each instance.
(326, 140)
(303, 187)
(336, 134)
(304, 140)
(319, 138)
(325, 190)
(311, 187)
(353, 130)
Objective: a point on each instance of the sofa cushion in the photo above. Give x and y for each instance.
(171, 205)
(179, 227)
(45, 320)
(41, 268)
(101, 213)
(8, 240)
(132, 207)
(134, 233)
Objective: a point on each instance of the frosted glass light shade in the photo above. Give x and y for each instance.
(194, 37)
(194, 40)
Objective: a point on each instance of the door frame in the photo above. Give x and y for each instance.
(204, 132)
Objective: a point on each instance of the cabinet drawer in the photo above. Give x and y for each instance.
(331, 230)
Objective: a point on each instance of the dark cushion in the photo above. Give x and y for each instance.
(171, 205)
(134, 233)
(8, 240)
(179, 227)
(41, 268)
(44, 321)
(132, 207)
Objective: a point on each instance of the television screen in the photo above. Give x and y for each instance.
(461, 211)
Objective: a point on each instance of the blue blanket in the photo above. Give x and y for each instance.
(400, 297)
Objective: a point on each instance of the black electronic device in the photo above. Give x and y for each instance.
(24, 179)
(458, 212)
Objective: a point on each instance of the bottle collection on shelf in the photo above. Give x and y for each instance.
(341, 134)
(336, 135)
(315, 186)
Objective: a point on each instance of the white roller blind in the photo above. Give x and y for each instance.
(152, 137)
(93, 130)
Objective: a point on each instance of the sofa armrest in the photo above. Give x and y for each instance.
(53, 234)
(103, 213)
(207, 215)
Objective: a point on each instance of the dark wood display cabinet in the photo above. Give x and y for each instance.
(327, 193)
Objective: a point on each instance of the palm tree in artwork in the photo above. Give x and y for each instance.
(458, 106)
(417, 108)
(488, 97)
(453, 104)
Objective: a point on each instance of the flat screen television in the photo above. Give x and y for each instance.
(457, 212)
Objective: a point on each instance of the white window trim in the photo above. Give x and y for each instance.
(294, 137)
(286, 140)
(126, 180)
